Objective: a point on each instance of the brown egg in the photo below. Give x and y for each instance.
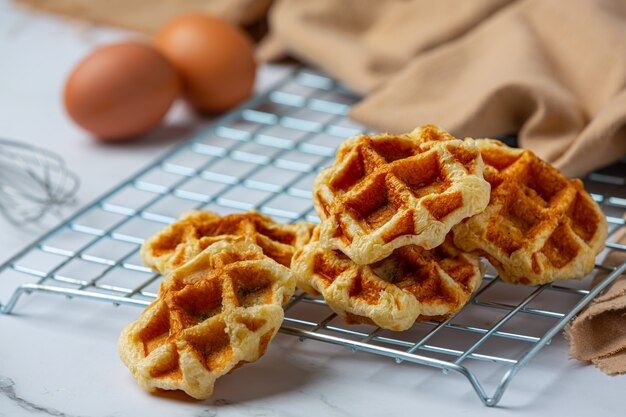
(121, 90)
(214, 58)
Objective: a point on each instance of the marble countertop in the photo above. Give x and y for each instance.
(58, 357)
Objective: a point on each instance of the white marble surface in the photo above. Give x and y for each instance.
(59, 357)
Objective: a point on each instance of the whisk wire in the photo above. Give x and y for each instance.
(33, 182)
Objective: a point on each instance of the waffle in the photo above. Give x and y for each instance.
(539, 226)
(213, 314)
(412, 284)
(388, 191)
(197, 230)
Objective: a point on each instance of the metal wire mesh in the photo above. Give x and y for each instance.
(265, 156)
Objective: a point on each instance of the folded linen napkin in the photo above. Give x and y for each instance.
(553, 71)
(598, 333)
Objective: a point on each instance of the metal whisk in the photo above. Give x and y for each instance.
(33, 182)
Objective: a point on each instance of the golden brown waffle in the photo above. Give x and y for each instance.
(388, 191)
(213, 314)
(539, 226)
(197, 230)
(413, 284)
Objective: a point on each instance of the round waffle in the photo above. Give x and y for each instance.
(412, 284)
(197, 230)
(213, 314)
(539, 226)
(388, 191)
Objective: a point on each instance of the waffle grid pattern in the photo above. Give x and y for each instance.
(386, 192)
(524, 233)
(265, 156)
(227, 318)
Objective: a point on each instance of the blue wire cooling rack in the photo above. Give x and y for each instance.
(265, 156)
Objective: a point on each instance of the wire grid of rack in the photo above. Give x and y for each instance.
(265, 156)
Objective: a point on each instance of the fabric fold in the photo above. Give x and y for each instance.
(598, 333)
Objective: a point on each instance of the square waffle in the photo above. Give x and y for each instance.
(388, 191)
(412, 284)
(539, 226)
(196, 230)
(213, 314)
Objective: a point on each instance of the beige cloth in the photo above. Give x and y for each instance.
(598, 333)
(553, 71)
(148, 16)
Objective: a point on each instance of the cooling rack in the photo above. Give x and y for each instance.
(265, 156)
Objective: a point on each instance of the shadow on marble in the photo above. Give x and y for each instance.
(274, 374)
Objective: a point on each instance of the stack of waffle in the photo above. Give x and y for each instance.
(405, 218)
(220, 303)
(404, 222)
(386, 206)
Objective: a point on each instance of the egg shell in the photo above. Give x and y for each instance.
(121, 90)
(214, 58)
